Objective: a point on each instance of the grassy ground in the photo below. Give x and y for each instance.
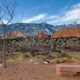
(55, 57)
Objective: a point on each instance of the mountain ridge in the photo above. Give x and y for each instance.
(34, 28)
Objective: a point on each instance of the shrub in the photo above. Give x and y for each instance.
(42, 57)
(76, 56)
(19, 56)
(13, 56)
(27, 55)
(56, 55)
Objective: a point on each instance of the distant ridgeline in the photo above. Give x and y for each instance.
(33, 29)
(41, 37)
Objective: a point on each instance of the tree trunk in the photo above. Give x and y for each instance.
(4, 47)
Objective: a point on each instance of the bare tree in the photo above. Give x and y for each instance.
(7, 12)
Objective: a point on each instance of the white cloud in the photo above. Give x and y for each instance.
(73, 13)
(69, 16)
(53, 17)
(35, 18)
(4, 21)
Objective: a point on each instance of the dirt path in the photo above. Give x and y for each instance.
(29, 71)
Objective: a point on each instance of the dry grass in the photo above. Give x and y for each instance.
(18, 56)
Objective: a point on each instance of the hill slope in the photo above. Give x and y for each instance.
(67, 32)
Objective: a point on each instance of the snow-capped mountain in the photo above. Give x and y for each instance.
(32, 28)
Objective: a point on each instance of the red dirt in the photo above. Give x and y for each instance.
(29, 71)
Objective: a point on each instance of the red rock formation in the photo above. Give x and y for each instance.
(16, 34)
(42, 35)
(67, 32)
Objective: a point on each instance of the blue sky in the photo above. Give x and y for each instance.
(51, 11)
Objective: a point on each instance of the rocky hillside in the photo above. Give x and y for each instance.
(67, 32)
(14, 34)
